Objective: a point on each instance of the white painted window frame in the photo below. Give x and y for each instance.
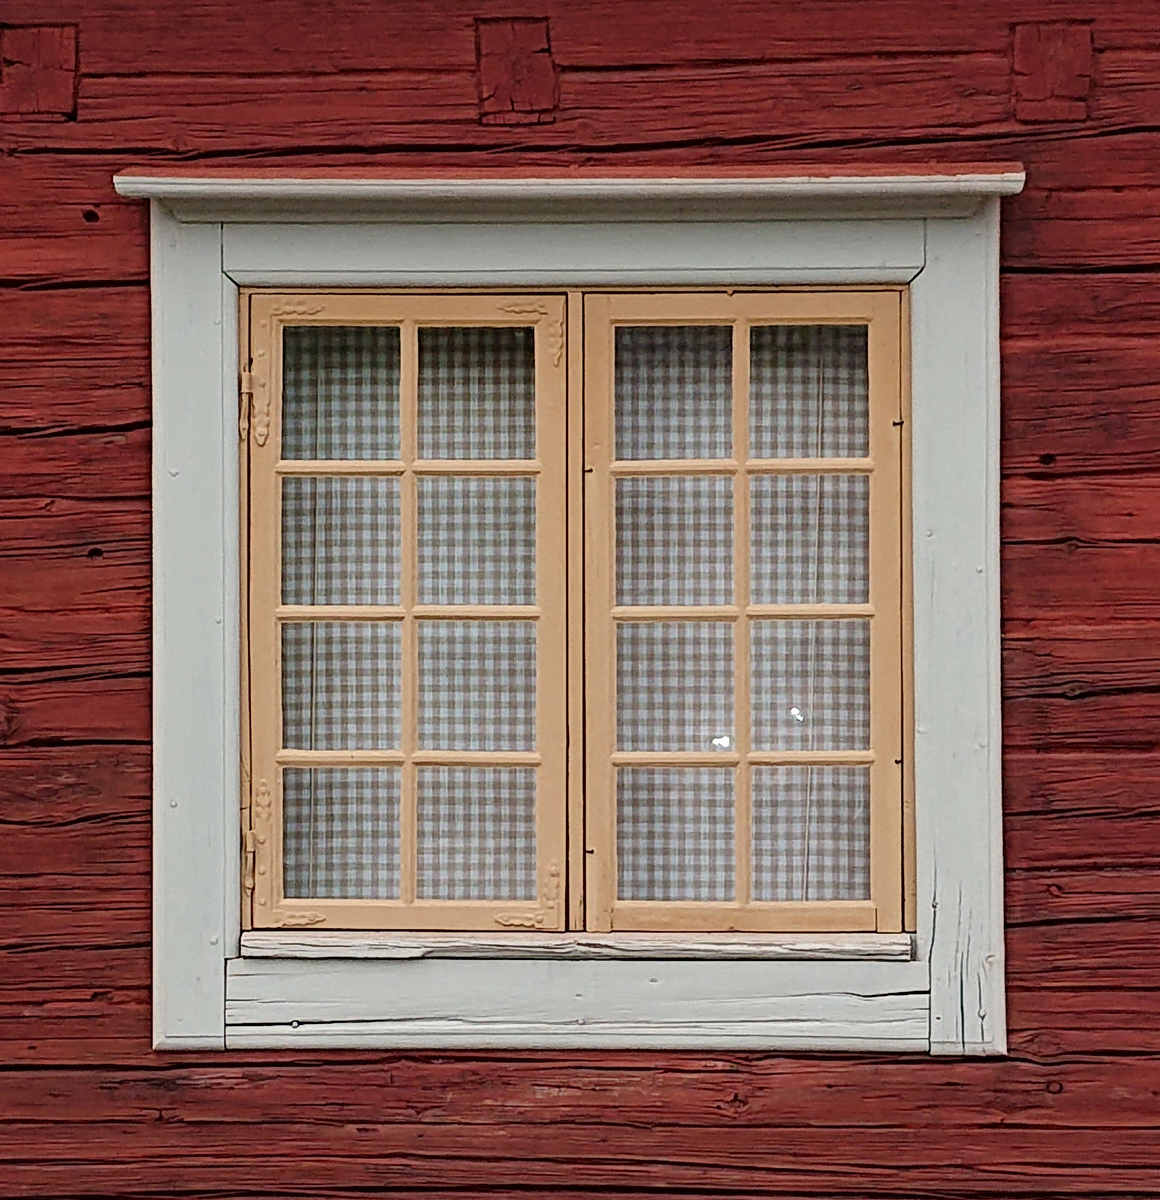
(937, 233)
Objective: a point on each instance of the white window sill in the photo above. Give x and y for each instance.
(866, 947)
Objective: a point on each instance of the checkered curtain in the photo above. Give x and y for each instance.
(809, 679)
(341, 541)
(340, 391)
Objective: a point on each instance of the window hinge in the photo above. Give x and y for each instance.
(247, 400)
(248, 858)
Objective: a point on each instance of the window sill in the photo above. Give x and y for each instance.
(869, 947)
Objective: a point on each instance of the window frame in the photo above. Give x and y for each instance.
(936, 232)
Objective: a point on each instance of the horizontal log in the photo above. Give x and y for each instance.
(118, 1159)
(1057, 896)
(1113, 723)
(1041, 659)
(1124, 508)
(1097, 227)
(104, 465)
(1113, 160)
(1077, 687)
(1046, 1022)
(214, 36)
(62, 710)
(41, 922)
(1072, 307)
(789, 103)
(1075, 811)
(88, 1025)
(1076, 407)
(1079, 583)
(74, 358)
(62, 221)
(613, 1088)
(1091, 954)
(78, 813)
(77, 584)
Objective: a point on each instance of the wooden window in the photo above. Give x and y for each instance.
(576, 611)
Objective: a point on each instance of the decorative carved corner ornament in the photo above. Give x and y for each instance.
(260, 399)
(295, 308)
(296, 920)
(555, 329)
(546, 914)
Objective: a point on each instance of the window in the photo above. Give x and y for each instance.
(930, 242)
(724, 751)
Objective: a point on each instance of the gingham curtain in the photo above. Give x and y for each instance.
(477, 679)
(809, 679)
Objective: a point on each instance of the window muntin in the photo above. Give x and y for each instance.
(690, 618)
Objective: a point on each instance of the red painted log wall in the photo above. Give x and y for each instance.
(86, 1109)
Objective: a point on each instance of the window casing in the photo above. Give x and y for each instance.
(936, 232)
(725, 753)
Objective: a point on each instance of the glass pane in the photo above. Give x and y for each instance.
(340, 831)
(340, 685)
(477, 541)
(674, 684)
(340, 391)
(340, 541)
(674, 540)
(811, 539)
(811, 833)
(674, 388)
(811, 685)
(477, 833)
(674, 833)
(477, 685)
(477, 393)
(809, 391)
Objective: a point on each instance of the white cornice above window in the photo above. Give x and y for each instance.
(948, 192)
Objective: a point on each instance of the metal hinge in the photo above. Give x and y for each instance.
(247, 400)
(248, 855)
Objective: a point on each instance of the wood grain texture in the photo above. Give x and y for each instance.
(390, 84)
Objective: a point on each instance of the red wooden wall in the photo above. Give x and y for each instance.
(1071, 88)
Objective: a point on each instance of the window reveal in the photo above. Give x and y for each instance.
(408, 627)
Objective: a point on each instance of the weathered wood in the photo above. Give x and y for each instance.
(1073, 408)
(1071, 581)
(1050, 1021)
(790, 103)
(70, 708)
(1005, 1160)
(84, 1024)
(879, 947)
(77, 584)
(1054, 229)
(1074, 309)
(661, 88)
(107, 465)
(1077, 811)
(61, 221)
(212, 36)
(79, 813)
(731, 1091)
(1094, 954)
(1123, 508)
(1056, 896)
